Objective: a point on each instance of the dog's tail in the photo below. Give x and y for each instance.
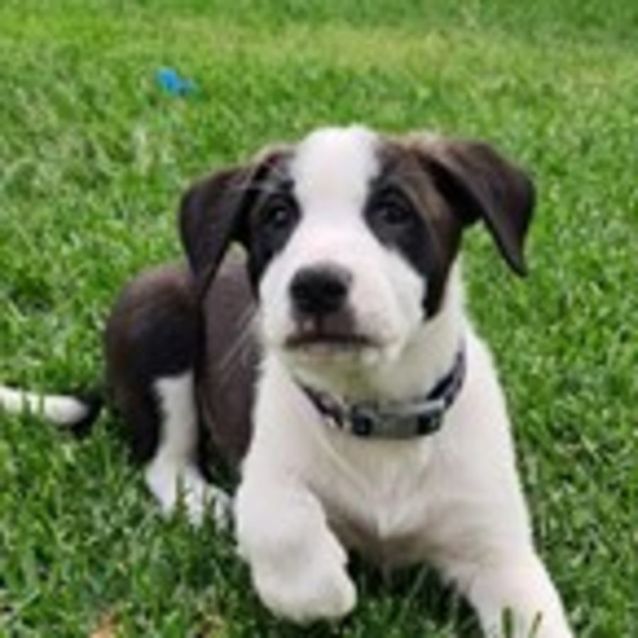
(73, 412)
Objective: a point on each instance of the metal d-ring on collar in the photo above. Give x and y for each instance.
(400, 420)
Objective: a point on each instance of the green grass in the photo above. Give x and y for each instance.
(93, 158)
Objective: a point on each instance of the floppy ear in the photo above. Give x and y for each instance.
(481, 184)
(214, 213)
(211, 217)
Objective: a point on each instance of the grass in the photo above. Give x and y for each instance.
(93, 158)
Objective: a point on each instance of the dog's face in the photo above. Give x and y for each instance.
(351, 236)
(357, 248)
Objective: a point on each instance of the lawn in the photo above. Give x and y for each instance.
(93, 158)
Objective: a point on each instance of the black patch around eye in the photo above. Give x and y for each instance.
(277, 216)
(274, 219)
(390, 215)
(398, 225)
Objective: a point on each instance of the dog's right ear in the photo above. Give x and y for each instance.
(212, 217)
(214, 213)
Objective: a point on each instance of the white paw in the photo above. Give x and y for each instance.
(513, 625)
(319, 592)
(171, 485)
(200, 498)
(297, 564)
(222, 506)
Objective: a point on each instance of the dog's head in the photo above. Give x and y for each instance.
(351, 236)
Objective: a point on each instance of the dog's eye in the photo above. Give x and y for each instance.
(392, 210)
(392, 215)
(278, 215)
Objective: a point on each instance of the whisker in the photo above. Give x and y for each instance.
(246, 324)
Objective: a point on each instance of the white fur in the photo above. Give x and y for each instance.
(172, 473)
(59, 409)
(308, 491)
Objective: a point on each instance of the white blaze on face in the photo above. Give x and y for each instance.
(333, 168)
(332, 171)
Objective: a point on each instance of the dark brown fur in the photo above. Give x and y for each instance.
(153, 333)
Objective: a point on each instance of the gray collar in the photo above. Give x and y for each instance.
(393, 420)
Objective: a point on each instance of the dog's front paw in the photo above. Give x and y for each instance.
(320, 592)
(297, 564)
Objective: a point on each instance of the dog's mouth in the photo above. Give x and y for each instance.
(328, 334)
(328, 341)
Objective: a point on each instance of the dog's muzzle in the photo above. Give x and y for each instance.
(321, 311)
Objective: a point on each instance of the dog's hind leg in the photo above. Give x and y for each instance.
(174, 467)
(151, 345)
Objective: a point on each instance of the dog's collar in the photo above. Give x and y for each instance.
(395, 420)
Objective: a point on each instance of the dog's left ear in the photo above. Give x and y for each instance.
(479, 183)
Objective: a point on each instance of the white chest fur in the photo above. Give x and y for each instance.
(375, 495)
(399, 501)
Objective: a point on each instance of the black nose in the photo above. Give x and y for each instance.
(319, 290)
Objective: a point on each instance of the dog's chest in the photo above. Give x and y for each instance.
(376, 496)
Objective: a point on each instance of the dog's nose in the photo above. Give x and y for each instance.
(320, 290)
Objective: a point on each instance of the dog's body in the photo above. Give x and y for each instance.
(353, 282)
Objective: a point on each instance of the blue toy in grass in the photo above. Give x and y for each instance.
(173, 83)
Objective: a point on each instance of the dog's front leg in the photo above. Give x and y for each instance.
(514, 597)
(298, 566)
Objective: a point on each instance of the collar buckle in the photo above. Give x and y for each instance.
(362, 421)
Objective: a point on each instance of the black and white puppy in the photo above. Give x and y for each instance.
(334, 363)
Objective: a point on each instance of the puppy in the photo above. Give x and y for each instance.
(332, 362)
